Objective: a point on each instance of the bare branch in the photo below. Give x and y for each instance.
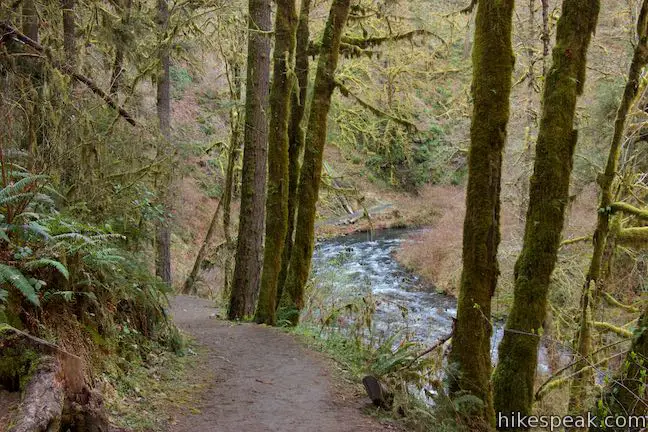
(13, 32)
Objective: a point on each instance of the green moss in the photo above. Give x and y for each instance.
(310, 176)
(514, 377)
(16, 365)
(470, 366)
(278, 160)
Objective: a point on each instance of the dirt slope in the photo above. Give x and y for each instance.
(262, 380)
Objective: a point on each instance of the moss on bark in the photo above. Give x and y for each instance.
(549, 194)
(278, 183)
(247, 270)
(310, 176)
(296, 135)
(470, 359)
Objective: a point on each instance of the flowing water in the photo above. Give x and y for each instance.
(359, 264)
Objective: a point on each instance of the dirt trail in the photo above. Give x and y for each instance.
(262, 380)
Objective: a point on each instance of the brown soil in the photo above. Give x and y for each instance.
(260, 379)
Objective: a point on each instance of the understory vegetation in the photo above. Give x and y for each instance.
(150, 148)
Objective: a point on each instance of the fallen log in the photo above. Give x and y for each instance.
(54, 395)
(42, 405)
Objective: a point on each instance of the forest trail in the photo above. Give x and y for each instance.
(262, 380)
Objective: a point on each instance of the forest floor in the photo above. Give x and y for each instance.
(260, 379)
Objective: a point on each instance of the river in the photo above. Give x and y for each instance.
(359, 264)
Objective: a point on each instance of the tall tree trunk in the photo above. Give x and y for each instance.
(527, 150)
(310, 176)
(118, 63)
(247, 270)
(69, 32)
(548, 196)
(583, 380)
(470, 358)
(235, 128)
(625, 396)
(295, 136)
(278, 184)
(546, 37)
(33, 85)
(30, 20)
(163, 234)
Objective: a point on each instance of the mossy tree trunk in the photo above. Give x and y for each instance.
(470, 359)
(548, 196)
(30, 20)
(626, 395)
(584, 380)
(69, 32)
(249, 249)
(310, 176)
(118, 63)
(295, 136)
(163, 231)
(33, 86)
(234, 71)
(278, 184)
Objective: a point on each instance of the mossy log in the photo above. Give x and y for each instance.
(51, 381)
(41, 408)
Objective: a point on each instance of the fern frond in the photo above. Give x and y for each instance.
(74, 236)
(8, 199)
(106, 237)
(46, 262)
(16, 170)
(53, 192)
(37, 229)
(14, 277)
(20, 185)
(3, 295)
(28, 215)
(42, 198)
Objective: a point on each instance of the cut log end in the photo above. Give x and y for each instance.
(377, 392)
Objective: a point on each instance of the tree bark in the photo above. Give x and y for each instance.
(235, 129)
(247, 269)
(548, 196)
(69, 32)
(310, 176)
(163, 234)
(583, 381)
(30, 27)
(31, 20)
(118, 63)
(546, 37)
(295, 136)
(278, 184)
(190, 284)
(470, 358)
